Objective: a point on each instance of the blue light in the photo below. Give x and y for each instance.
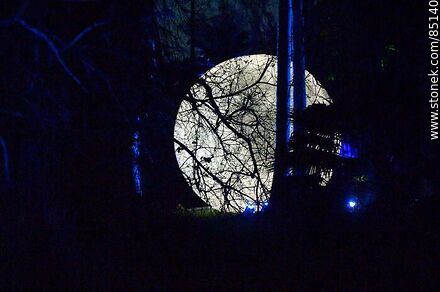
(353, 204)
(265, 206)
(252, 208)
(249, 210)
(136, 169)
(348, 151)
(137, 179)
(135, 149)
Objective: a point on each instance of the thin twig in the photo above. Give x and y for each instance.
(52, 47)
(83, 33)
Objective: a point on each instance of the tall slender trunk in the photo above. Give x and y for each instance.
(291, 65)
(283, 98)
(299, 85)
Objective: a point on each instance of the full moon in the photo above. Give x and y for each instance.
(225, 132)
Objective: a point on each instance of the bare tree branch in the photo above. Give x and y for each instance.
(52, 47)
(83, 33)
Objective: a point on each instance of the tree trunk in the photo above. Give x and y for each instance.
(299, 85)
(283, 99)
(291, 64)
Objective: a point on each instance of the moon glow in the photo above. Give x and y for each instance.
(225, 132)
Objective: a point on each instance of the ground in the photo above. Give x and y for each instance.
(118, 249)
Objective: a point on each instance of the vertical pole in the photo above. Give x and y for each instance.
(299, 86)
(283, 98)
(291, 66)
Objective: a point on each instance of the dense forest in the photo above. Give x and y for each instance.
(92, 196)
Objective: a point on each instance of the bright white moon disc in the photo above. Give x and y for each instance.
(225, 140)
